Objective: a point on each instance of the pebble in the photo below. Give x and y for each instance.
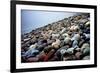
(76, 37)
(56, 44)
(66, 39)
(70, 50)
(78, 55)
(86, 58)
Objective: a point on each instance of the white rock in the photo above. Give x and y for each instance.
(55, 35)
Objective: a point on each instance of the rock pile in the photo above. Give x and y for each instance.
(67, 39)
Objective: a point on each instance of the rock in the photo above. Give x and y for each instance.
(78, 49)
(65, 35)
(84, 46)
(48, 48)
(41, 47)
(69, 32)
(55, 35)
(76, 37)
(86, 58)
(50, 32)
(54, 58)
(62, 43)
(33, 40)
(86, 51)
(32, 59)
(78, 17)
(70, 50)
(82, 21)
(72, 28)
(49, 55)
(27, 39)
(81, 42)
(87, 24)
(63, 30)
(41, 56)
(67, 40)
(56, 44)
(75, 44)
(87, 36)
(49, 42)
(33, 46)
(63, 51)
(31, 52)
(69, 57)
(78, 55)
(76, 28)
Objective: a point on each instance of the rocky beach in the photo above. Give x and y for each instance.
(65, 40)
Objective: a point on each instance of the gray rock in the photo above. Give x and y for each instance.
(86, 58)
(70, 50)
(67, 40)
(76, 37)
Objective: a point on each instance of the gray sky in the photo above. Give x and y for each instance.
(31, 19)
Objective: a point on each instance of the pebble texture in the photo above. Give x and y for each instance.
(66, 39)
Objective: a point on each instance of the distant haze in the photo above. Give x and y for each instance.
(31, 19)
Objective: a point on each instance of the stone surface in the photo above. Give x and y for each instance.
(66, 39)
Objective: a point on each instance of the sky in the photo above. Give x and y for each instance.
(32, 19)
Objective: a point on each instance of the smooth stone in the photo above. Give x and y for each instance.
(33, 46)
(67, 58)
(81, 42)
(86, 51)
(70, 50)
(76, 37)
(78, 55)
(31, 52)
(48, 48)
(49, 55)
(27, 39)
(65, 35)
(87, 36)
(69, 32)
(75, 44)
(72, 28)
(84, 46)
(55, 35)
(63, 51)
(87, 24)
(56, 44)
(67, 40)
(63, 30)
(76, 28)
(50, 31)
(54, 58)
(77, 17)
(33, 40)
(86, 58)
(62, 43)
(81, 26)
(78, 49)
(41, 56)
(49, 42)
(41, 47)
(32, 59)
(82, 21)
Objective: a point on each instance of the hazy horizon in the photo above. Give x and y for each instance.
(31, 19)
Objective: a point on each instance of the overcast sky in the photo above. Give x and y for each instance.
(31, 19)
